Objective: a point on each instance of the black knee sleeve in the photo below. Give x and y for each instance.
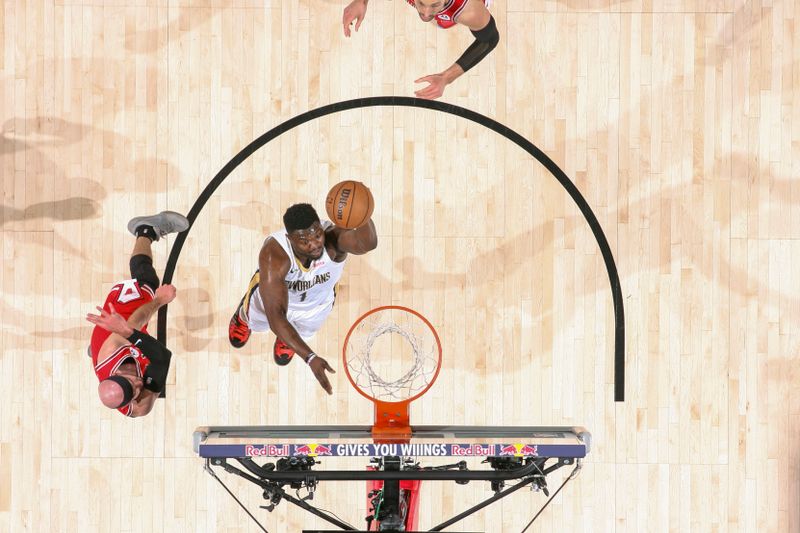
(142, 271)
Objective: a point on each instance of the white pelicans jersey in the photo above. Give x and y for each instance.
(310, 287)
(311, 291)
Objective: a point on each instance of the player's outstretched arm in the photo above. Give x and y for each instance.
(141, 317)
(355, 11)
(274, 264)
(477, 18)
(356, 241)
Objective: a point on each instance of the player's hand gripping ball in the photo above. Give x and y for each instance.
(349, 204)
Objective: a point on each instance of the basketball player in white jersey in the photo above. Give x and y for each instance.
(292, 292)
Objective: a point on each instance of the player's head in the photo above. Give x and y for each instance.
(304, 230)
(119, 390)
(427, 9)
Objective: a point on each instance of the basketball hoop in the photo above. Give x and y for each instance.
(392, 356)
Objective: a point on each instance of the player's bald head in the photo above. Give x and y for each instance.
(115, 392)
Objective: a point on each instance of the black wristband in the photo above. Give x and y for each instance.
(155, 375)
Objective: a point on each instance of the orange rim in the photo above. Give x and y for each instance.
(400, 308)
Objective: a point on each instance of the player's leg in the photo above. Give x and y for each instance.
(141, 264)
(148, 229)
(239, 328)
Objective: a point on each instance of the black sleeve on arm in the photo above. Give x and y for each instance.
(485, 41)
(155, 376)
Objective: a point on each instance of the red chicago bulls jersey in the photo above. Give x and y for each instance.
(125, 354)
(446, 18)
(127, 296)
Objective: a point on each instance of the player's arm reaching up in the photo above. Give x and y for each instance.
(470, 13)
(481, 23)
(356, 241)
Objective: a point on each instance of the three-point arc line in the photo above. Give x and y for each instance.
(404, 101)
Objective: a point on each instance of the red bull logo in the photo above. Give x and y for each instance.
(474, 450)
(519, 450)
(313, 450)
(266, 450)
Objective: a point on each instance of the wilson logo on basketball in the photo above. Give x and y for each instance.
(344, 195)
(349, 204)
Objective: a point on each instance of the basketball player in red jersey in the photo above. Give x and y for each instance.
(446, 13)
(131, 365)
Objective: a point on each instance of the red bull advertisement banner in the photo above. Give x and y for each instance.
(383, 450)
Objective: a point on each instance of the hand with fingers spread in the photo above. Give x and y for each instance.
(111, 321)
(319, 366)
(355, 11)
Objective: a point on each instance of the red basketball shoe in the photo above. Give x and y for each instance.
(238, 330)
(282, 353)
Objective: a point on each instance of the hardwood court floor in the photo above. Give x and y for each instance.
(678, 120)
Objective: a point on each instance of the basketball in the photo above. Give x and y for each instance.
(349, 204)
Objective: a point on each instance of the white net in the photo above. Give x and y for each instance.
(392, 355)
